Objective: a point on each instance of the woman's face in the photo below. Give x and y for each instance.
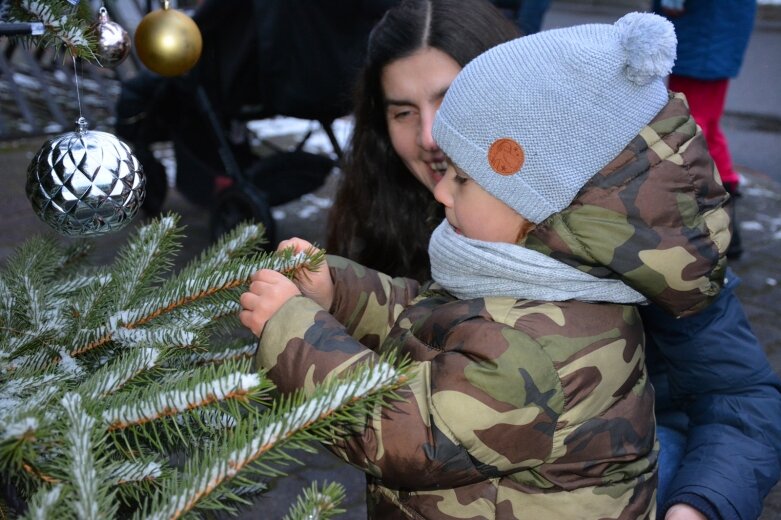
(414, 87)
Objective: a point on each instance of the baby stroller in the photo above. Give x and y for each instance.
(261, 58)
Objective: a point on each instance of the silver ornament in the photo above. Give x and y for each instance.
(113, 41)
(85, 183)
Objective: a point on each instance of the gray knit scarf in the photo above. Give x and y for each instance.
(470, 268)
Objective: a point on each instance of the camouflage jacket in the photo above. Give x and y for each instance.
(514, 409)
(654, 217)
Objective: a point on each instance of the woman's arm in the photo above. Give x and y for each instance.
(720, 377)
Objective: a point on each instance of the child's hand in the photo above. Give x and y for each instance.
(268, 291)
(316, 285)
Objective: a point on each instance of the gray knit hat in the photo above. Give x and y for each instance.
(533, 119)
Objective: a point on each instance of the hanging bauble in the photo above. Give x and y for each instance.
(85, 183)
(168, 42)
(113, 41)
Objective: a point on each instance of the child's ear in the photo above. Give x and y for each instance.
(526, 228)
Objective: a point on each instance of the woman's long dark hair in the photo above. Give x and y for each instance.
(382, 216)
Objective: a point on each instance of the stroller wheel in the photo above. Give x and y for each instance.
(239, 203)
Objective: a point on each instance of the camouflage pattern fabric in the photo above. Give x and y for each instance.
(515, 408)
(654, 217)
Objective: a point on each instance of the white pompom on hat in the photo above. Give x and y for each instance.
(533, 119)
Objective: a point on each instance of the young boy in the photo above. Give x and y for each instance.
(578, 186)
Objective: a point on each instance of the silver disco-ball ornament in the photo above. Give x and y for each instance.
(114, 42)
(85, 183)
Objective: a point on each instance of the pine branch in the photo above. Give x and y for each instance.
(124, 390)
(93, 500)
(211, 385)
(244, 349)
(64, 25)
(319, 503)
(29, 272)
(291, 422)
(136, 471)
(185, 292)
(242, 241)
(111, 378)
(43, 503)
(156, 337)
(6, 306)
(146, 258)
(80, 283)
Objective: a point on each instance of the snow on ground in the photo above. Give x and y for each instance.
(285, 126)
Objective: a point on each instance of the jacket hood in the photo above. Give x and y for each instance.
(654, 217)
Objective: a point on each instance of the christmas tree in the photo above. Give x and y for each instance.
(128, 390)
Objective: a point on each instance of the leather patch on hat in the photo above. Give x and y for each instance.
(506, 156)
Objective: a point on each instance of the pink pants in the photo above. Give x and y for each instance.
(706, 102)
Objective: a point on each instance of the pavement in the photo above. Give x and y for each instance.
(752, 127)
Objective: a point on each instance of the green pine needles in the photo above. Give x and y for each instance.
(128, 390)
(65, 24)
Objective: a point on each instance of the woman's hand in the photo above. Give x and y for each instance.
(316, 285)
(268, 291)
(683, 512)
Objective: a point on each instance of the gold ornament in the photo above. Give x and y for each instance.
(168, 41)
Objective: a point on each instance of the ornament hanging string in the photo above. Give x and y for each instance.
(73, 57)
(76, 79)
(85, 183)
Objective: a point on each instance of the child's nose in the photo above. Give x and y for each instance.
(442, 192)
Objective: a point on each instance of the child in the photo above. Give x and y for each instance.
(564, 204)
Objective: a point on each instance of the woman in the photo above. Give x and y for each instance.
(394, 206)
(718, 401)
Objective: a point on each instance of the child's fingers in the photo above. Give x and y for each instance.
(297, 244)
(252, 315)
(247, 300)
(272, 284)
(263, 299)
(250, 321)
(266, 275)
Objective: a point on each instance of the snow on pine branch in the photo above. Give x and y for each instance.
(110, 378)
(242, 240)
(317, 503)
(280, 425)
(19, 413)
(141, 259)
(157, 336)
(136, 471)
(43, 503)
(77, 283)
(201, 314)
(82, 457)
(188, 291)
(166, 403)
(6, 305)
(22, 386)
(58, 24)
(79, 369)
(217, 356)
(19, 428)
